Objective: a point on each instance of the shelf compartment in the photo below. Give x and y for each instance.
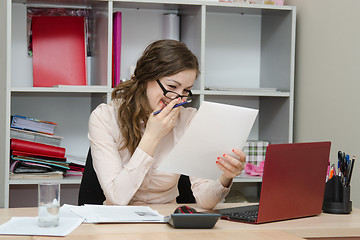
(96, 63)
(71, 112)
(249, 47)
(17, 191)
(142, 23)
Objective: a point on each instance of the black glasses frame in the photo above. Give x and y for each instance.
(167, 91)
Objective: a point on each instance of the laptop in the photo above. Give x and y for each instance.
(293, 184)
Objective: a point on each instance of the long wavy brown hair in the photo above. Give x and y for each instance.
(160, 59)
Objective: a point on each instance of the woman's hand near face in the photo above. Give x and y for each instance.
(231, 166)
(158, 126)
(161, 124)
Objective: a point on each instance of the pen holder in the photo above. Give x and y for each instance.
(337, 197)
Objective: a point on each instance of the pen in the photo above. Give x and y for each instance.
(350, 172)
(343, 164)
(177, 105)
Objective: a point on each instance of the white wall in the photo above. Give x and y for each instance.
(327, 80)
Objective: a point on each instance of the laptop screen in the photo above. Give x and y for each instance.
(294, 180)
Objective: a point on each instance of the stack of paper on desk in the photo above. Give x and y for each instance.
(117, 214)
(215, 130)
(28, 226)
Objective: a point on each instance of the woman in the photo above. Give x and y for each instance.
(128, 141)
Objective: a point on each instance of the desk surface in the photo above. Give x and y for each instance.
(322, 226)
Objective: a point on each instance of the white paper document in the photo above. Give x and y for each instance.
(28, 226)
(117, 214)
(215, 130)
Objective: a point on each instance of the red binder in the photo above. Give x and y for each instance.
(59, 53)
(36, 148)
(37, 155)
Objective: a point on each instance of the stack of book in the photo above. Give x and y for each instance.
(30, 159)
(37, 158)
(36, 151)
(34, 130)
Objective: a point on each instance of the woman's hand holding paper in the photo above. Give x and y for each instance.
(231, 166)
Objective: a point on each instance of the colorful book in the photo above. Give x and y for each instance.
(116, 48)
(59, 52)
(28, 167)
(36, 155)
(35, 136)
(54, 164)
(36, 148)
(32, 124)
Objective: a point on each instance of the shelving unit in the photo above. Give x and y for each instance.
(248, 48)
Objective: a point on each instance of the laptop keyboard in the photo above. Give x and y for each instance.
(246, 214)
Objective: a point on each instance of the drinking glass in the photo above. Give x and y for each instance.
(48, 204)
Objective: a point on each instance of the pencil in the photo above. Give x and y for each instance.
(177, 105)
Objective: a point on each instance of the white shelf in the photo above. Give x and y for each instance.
(65, 180)
(65, 89)
(247, 178)
(254, 93)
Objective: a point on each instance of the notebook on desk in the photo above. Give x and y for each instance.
(293, 184)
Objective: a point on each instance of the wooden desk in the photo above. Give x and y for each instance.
(324, 226)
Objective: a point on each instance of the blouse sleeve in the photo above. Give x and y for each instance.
(119, 178)
(208, 192)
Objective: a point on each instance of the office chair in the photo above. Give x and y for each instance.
(90, 191)
(185, 192)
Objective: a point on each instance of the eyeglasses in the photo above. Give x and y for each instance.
(173, 95)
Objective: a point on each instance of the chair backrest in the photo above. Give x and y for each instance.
(90, 191)
(185, 192)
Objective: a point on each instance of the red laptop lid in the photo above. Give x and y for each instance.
(293, 181)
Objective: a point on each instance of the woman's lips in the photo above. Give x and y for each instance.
(164, 103)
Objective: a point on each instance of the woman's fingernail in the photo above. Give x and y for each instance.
(217, 161)
(224, 155)
(233, 150)
(218, 158)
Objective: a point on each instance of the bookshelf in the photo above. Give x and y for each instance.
(246, 54)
